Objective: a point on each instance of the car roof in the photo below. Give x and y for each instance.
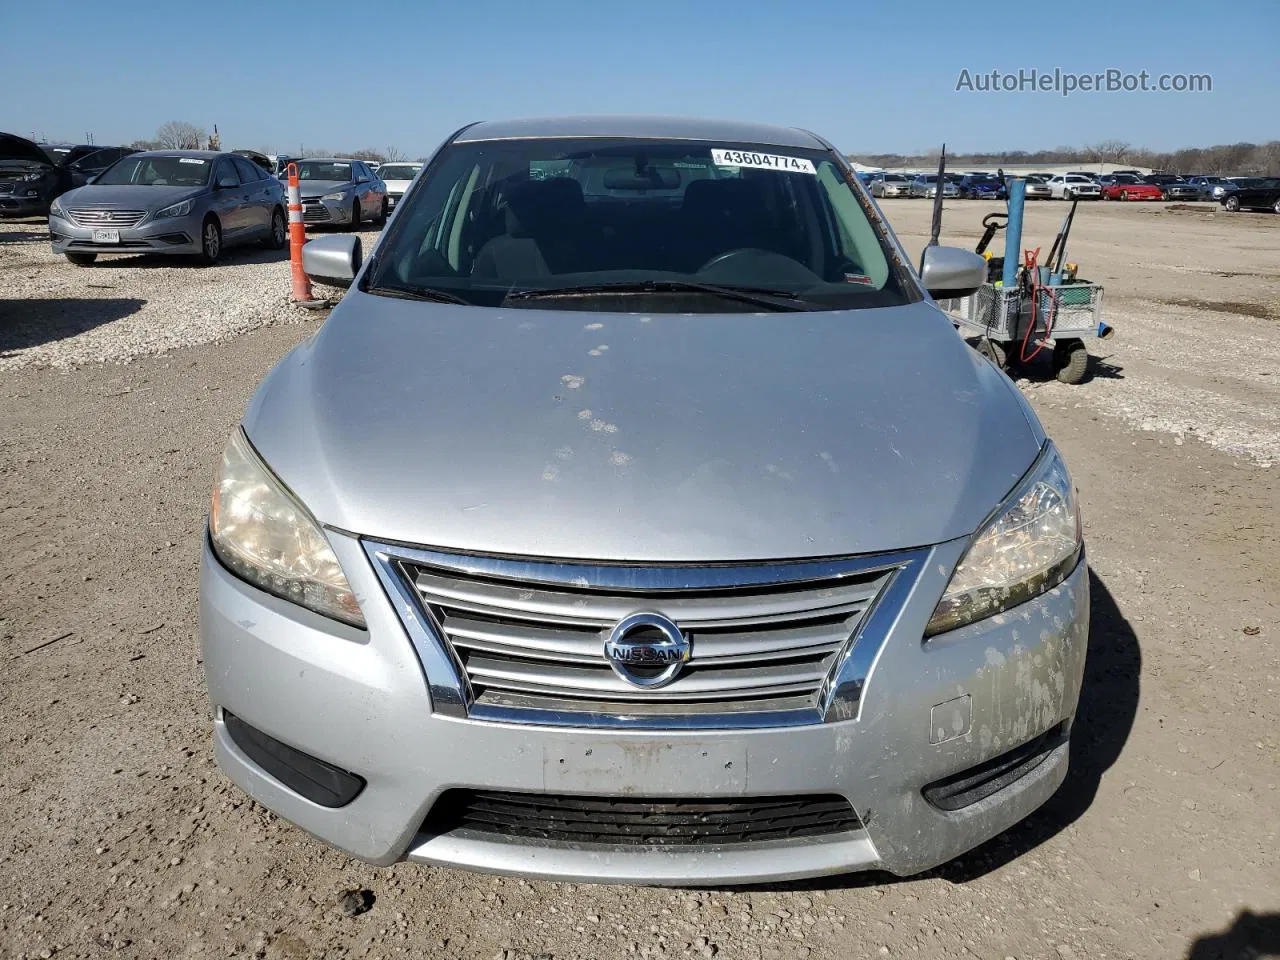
(329, 160)
(639, 127)
(193, 154)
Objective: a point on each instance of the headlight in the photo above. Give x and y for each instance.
(176, 210)
(334, 196)
(1031, 544)
(267, 537)
(56, 210)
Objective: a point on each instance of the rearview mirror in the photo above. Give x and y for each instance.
(332, 260)
(952, 272)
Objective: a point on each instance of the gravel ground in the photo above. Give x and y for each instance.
(123, 839)
(126, 307)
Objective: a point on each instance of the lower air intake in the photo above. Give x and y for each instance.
(640, 822)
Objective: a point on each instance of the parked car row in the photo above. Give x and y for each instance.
(1072, 185)
(115, 200)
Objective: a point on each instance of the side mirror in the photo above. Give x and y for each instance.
(228, 183)
(949, 272)
(332, 260)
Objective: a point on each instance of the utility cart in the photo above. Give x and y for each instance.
(1016, 323)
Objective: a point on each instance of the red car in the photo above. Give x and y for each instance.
(1128, 187)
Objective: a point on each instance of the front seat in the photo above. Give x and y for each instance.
(544, 233)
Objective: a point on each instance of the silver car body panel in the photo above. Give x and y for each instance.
(639, 127)
(680, 463)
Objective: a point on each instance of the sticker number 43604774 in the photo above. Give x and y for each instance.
(764, 161)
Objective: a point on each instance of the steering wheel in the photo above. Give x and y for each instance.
(720, 258)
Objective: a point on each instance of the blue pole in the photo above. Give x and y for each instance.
(1013, 232)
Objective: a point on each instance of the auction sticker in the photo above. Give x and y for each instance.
(763, 161)
(191, 160)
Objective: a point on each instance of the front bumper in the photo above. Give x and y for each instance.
(172, 235)
(318, 211)
(14, 205)
(358, 700)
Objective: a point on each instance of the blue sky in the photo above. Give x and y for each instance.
(876, 77)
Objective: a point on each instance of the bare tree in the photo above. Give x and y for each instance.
(179, 135)
(1107, 151)
(394, 155)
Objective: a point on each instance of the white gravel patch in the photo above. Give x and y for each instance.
(1205, 374)
(55, 314)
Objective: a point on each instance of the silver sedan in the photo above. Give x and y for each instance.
(891, 185)
(476, 592)
(195, 202)
(341, 191)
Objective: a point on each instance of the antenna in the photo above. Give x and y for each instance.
(936, 228)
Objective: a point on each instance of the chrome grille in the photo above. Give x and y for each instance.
(526, 639)
(98, 217)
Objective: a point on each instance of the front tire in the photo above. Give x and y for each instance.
(1276, 208)
(82, 259)
(382, 214)
(1232, 204)
(1067, 195)
(210, 242)
(355, 215)
(1124, 194)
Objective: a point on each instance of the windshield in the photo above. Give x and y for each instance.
(157, 172)
(499, 218)
(323, 170)
(398, 171)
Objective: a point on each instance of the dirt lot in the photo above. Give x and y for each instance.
(122, 838)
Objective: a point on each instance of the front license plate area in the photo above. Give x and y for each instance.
(644, 768)
(106, 236)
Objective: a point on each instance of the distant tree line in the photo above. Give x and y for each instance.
(180, 135)
(1243, 159)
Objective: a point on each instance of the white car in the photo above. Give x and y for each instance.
(1073, 186)
(397, 176)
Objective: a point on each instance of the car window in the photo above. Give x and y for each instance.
(162, 171)
(249, 172)
(225, 171)
(324, 170)
(488, 218)
(398, 171)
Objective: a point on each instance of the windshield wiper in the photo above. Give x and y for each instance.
(773, 299)
(432, 294)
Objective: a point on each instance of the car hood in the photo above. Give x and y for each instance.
(692, 437)
(128, 196)
(19, 148)
(400, 185)
(318, 188)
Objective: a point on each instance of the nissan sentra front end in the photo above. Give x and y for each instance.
(506, 576)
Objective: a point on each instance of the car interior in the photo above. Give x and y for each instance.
(518, 230)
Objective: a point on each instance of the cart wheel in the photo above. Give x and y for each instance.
(994, 352)
(1070, 361)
